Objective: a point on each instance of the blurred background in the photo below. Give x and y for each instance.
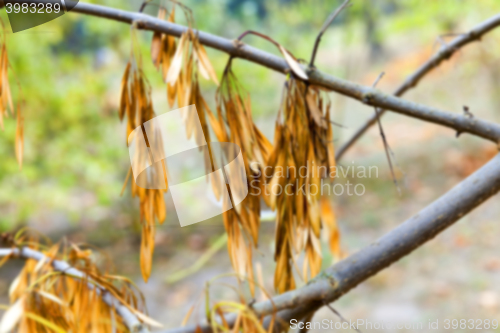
(76, 157)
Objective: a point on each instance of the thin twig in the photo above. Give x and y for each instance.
(339, 315)
(325, 26)
(441, 40)
(377, 80)
(384, 139)
(327, 23)
(468, 114)
(143, 5)
(336, 124)
(443, 54)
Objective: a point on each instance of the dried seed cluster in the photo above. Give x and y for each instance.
(46, 300)
(137, 105)
(179, 64)
(303, 138)
(303, 141)
(234, 123)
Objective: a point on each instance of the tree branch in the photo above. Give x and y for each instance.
(444, 53)
(130, 320)
(384, 139)
(364, 94)
(337, 280)
(367, 95)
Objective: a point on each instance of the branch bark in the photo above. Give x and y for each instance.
(444, 53)
(337, 280)
(364, 94)
(130, 320)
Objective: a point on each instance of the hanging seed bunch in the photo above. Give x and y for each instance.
(45, 300)
(319, 107)
(180, 63)
(303, 155)
(234, 123)
(6, 103)
(303, 138)
(136, 105)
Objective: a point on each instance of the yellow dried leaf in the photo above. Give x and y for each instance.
(147, 320)
(19, 138)
(44, 322)
(12, 316)
(329, 219)
(162, 12)
(51, 297)
(156, 49)
(176, 65)
(160, 208)
(315, 111)
(294, 65)
(205, 64)
(186, 317)
(147, 248)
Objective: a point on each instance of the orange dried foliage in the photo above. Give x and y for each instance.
(303, 140)
(179, 64)
(45, 300)
(234, 123)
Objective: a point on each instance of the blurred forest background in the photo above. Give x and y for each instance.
(76, 157)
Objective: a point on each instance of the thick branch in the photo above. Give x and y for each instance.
(337, 280)
(130, 320)
(444, 53)
(364, 94)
